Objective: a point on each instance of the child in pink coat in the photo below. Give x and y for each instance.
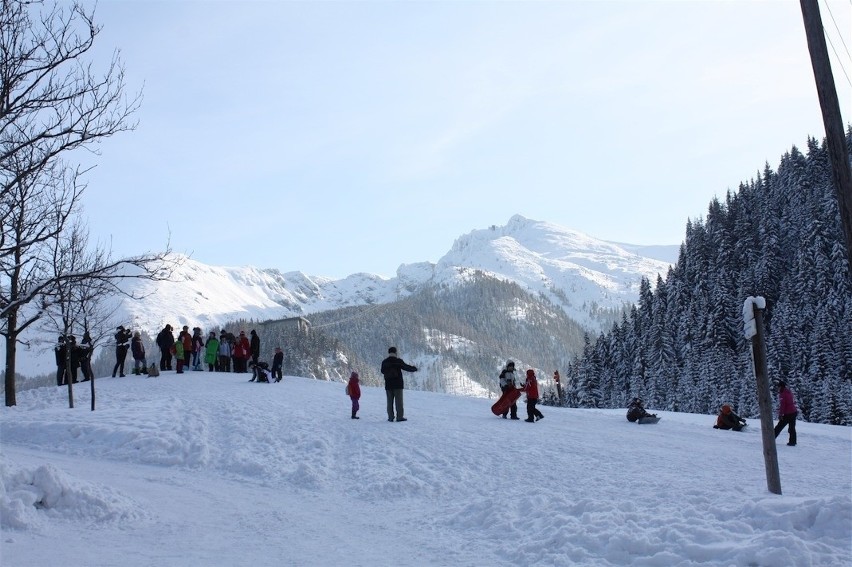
(353, 389)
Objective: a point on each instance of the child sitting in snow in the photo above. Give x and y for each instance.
(729, 420)
(636, 410)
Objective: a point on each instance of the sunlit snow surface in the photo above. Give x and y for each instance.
(209, 469)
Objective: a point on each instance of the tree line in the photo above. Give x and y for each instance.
(682, 348)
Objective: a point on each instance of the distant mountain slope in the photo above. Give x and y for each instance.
(587, 278)
(580, 274)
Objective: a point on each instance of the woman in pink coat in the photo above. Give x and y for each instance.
(353, 389)
(531, 388)
(787, 413)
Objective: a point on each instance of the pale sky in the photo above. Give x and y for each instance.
(340, 137)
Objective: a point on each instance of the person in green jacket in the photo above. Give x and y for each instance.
(211, 351)
(178, 352)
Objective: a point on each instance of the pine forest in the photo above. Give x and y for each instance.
(682, 347)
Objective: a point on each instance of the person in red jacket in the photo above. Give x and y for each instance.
(787, 413)
(353, 389)
(241, 353)
(531, 388)
(185, 338)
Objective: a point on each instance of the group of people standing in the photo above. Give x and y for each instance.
(509, 382)
(220, 353)
(72, 357)
(223, 353)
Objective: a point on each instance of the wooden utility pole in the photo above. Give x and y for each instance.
(753, 326)
(833, 122)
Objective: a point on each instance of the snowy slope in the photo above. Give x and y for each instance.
(572, 269)
(208, 469)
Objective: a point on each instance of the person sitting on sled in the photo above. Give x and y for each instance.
(729, 420)
(636, 411)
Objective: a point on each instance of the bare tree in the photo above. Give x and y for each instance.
(79, 304)
(51, 103)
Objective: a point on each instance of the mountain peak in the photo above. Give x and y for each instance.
(583, 275)
(574, 270)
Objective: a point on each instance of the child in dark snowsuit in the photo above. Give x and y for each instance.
(353, 390)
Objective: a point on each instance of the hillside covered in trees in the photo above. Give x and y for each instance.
(459, 336)
(682, 347)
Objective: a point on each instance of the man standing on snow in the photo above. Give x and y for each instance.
(392, 368)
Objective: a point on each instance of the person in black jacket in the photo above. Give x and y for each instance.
(85, 349)
(254, 345)
(166, 340)
(278, 364)
(122, 336)
(392, 368)
(61, 370)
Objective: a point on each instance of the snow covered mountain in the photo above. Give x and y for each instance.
(575, 271)
(582, 275)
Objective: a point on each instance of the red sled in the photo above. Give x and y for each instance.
(505, 402)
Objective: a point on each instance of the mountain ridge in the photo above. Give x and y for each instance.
(583, 275)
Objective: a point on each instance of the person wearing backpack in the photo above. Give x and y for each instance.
(353, 390)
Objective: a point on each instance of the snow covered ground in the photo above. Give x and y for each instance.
(208, 469)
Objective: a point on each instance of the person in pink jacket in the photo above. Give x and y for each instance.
(353, 390)
(787, 413)
(531, 388)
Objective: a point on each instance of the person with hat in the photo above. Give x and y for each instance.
(636, 410)
(531, 388)
(211, 352)
(727, 419)
(254, 347)
(787, 413)
(186, 342)
(226, 341)
(166, 342)
(392, 368)
(137, 349)
(241, 353)
(507, 383)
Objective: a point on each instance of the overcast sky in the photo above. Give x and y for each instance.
(338, 137)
